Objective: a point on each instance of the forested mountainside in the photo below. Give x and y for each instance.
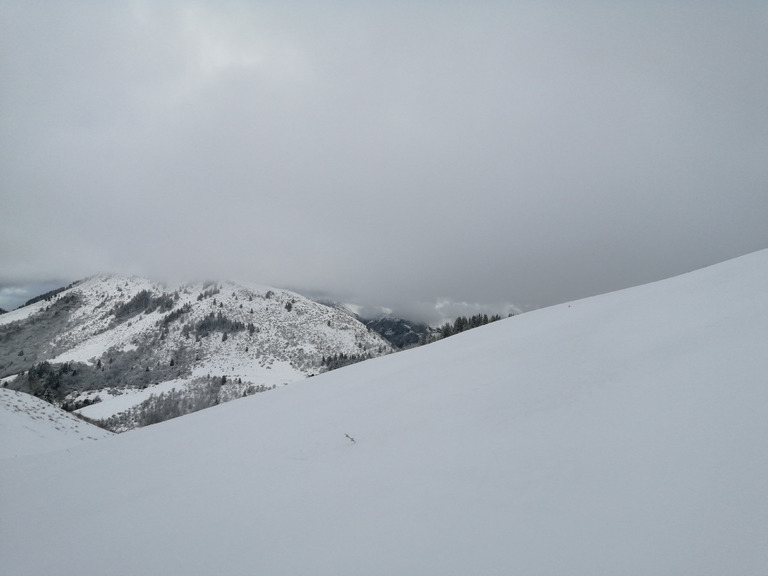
(116, 341)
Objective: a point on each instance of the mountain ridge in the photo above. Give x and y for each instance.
(115, 332)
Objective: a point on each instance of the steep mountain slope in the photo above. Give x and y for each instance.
(112, 335)
(621, 434)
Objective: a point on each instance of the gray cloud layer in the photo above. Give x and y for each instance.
(486, 153)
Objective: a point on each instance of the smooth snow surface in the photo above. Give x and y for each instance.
(29, 425)
(622, 434)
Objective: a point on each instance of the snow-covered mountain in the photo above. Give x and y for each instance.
(621, 434)
(112, 342)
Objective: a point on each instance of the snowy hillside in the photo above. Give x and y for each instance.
(29, 425)
(621, 434)
(133, 337)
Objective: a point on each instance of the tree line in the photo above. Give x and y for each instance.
(144, 302)
(460, 324)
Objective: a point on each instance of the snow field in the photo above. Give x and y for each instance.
(621, 434)
(29, 425)
(114, 401)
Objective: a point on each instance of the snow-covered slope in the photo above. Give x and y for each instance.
(285, 323)
(29, 425)
(622, 434)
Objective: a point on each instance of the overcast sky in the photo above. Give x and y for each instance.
(400, 154)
